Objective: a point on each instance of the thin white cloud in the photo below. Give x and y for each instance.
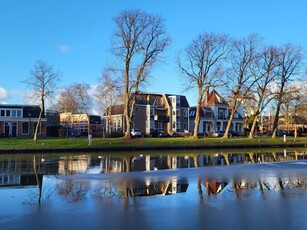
(64, 48)
(3, 94)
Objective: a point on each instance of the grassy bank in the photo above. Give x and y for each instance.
(64, 144)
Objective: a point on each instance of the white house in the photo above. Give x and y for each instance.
(214, 115)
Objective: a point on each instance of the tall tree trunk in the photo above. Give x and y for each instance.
(229, 123)
(276, 118)
(196, 121)
(280, 96)
(231, 117)
(37, 126)
(251, 134)
(197, 115)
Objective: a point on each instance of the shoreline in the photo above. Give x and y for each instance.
(133, 147)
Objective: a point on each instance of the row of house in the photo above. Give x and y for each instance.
(168, 113)
(172, 114)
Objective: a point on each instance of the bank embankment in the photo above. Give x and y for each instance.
(49, 145)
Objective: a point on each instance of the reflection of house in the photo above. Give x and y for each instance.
(20, 120)
(164, 112)
(81, 122)
(214, 115)
(18, 171)
(149, 188)
(73, 165)
(214, 187)
(148, 162)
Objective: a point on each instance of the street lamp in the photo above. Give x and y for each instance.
(29, 128)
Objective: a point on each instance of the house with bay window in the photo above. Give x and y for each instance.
(20, 120)
(214, 115)
(167, 113)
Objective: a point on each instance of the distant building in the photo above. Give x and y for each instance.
(20, 120)
(81, 122)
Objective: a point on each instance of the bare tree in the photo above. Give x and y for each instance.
(139, 39)
(243, 57)
(66, 101)
(82, 96)
(293, 103)
(42, 83)
(267, 70)
(290, 61)
(106, 93)
(201, 65)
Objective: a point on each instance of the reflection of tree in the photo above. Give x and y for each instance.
(196, 162)
(200, 191)
(267, 184)
(127, 161)
(105, 192)
(225, 155)
(72, 190)
(41, 195)
(251, 157)
(39, 182)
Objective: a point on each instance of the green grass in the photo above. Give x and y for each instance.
(146, 143)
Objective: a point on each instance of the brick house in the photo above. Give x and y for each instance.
(20, 120)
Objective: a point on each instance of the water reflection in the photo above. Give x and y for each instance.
(91, 164)
(29, 170)
(125, 191)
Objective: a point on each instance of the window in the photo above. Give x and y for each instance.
(178, 126)
(2, 113)
(222, 114)
(8, 113)
(209, 114)
(185, 113)
(160, 126)
(16, 113)
(207, 126)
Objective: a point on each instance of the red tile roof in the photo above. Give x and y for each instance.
(213, 99)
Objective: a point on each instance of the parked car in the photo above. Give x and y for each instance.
(218, 133)
(281, 133)
(136, 133)
(233, 134)
(73, 133)
(157, 133)
(222, 133)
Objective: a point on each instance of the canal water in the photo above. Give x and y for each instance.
(254, 189)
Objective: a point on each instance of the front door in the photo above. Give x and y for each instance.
(6, 129)
(10, 129)
(14, 129)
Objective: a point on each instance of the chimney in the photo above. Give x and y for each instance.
(207, 96)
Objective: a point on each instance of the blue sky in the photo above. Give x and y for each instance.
(75, 36)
